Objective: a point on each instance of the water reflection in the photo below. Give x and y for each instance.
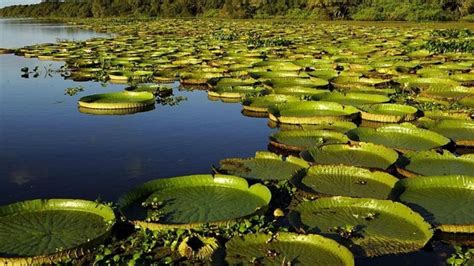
(127, 111)
(17, 33)
(53, 150)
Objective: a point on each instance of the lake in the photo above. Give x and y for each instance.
(48, 149)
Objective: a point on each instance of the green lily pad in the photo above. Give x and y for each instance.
(338, 126)
(278, 74)
(231, 82)
(388, 113)
(118, 100)
(445, 201)
(285, 249)
(369, 227)
(189, 201)
(264, 166)
(432, 163)
(155, 89)
(442, 91)
(350, 181)
(460, 131)
(400, 136)
(300, 91)
(353, 98)
(362, 154)
(198, 78)
(312, 112)
(278, 65)
(46, 231)
(235, 91)
(279, 82)
(261, 104)
(298, 140)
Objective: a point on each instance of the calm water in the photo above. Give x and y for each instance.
(49, 149)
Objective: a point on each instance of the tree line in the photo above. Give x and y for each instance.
(412, 10)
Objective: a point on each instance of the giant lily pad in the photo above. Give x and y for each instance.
(118, 100)
(445, 201)
(279, 82)
(432, 163)
(442, 91)
(388, 113)
(264, 166)
(402, 137)
(298, 140)
(460, 131)
(369, 227)
(286, 249)
(235, 92)
(47, 231)
(353, 98)
(300, 91)
(342, 180)
(312, 112)
(189, 201)
(261, 104)
(361, 154)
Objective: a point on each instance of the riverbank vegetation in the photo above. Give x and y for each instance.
(403, 10)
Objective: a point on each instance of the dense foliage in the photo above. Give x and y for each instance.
(412, 10)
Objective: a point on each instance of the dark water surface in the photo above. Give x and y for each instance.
(48, 149)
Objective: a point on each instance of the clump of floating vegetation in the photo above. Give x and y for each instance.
(358, 108)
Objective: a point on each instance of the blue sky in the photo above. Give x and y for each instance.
(4, 3)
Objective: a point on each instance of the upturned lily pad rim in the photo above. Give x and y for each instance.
(322, 242)
(119, 100)
(39, 205)
(404, 128)
(275, 141)
(447, 181)
(443, 126)
(265, 155)
(403, 164)
(387, 206)
(369, 112)
(348, 113)
(218, 180)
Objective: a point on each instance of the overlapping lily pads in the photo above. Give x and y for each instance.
(445, 201)
(264, 166)
(432, 163)
(362, 154)
(299, 140)
(312, 112)
(400, 136)
(261, 104)
(368, 227)
(460, 131)
(354, 99)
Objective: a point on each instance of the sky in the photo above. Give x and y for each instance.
(4, 3)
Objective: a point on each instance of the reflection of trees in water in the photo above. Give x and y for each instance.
(171, 100)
